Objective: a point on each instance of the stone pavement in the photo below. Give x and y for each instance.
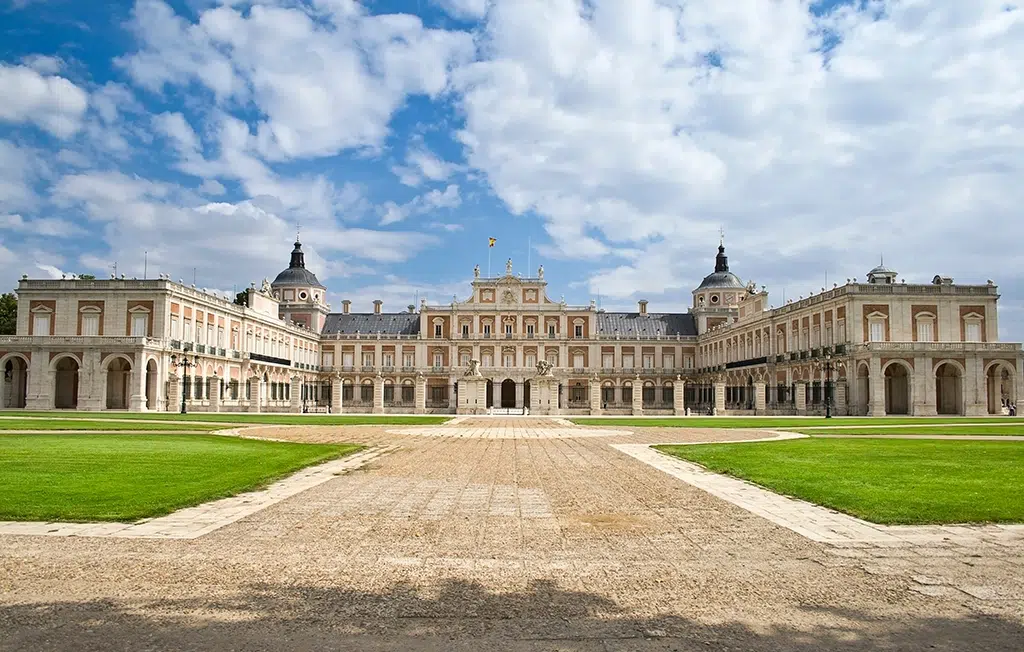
(521, 543)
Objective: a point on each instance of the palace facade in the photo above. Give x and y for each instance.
(864, 348)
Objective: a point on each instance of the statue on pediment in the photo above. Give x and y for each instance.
(265, 287)
(508, 267)
(540, 272)
(476, 272)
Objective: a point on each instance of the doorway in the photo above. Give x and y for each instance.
(508, 393)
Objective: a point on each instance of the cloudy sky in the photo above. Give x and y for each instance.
(609, 140)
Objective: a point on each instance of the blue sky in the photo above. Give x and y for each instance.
(616, 137)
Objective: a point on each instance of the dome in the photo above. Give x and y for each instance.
(721, 278)
(297, 274)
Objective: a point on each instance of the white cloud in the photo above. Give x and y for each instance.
(324, 85)
(43, 64)
(50, 102)
(425, 203)
(41, 226)
(422, 164)
(212, 187)
(613, 125)
(464, 9)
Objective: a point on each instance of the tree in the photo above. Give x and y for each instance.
(242, 298)
(8, 313)
(87, 277)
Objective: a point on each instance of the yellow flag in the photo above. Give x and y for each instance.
(491, 241)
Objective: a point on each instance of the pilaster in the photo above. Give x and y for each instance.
(173, 392)
(595, 396)
(876, 383)
(924, 395)
(40, 383)
(421, 394)
(801, 396)
(137, 398)
(975, 389)
(520, 393)
(638, 396)
(256, 401)
(839, 399)
(92, 382)
(679, 397)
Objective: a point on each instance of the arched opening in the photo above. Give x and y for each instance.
(151, 380)
(118, 373)
(863, 389)
(897, 389)
(508, 393)
(1000, 388)
(949, 397)
(65, 384)
(14, 391)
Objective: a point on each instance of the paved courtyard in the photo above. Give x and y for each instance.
(509, 535)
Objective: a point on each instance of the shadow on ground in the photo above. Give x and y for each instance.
(459, 615)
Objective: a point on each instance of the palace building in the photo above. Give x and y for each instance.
(876, 347)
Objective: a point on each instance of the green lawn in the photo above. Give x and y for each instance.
(89, 477)
(786, 422)
(922, 429)
(243, 418)
(85, 424)
(890, 481)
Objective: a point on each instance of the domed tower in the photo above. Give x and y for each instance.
(716, 299)
(303, 298)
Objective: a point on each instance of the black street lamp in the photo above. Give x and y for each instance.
(828, 385)
(184, 363)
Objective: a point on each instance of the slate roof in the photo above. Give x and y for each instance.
(725, 279)
(395, 323)
(632, 324)
(297, 276)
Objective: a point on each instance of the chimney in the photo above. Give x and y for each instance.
(377, 303)
(411, 308)
(346, 305)
(642, 303)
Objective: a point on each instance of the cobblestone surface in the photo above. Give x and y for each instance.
(544, 543)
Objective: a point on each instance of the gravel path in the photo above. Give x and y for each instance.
(533, 543)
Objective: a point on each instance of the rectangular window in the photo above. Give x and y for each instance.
(408, 360)
(973, 332)
(577, 361)
(877, 329)
(175, 328)
(668, 361)
(608, 360)
(552, 331)
(485, 360)
(627, 360)
(220, 337)
(553, 358)
(437, 330)
(464, 360)
(438, 359)
(508, 329)
(41, 325)
(578, 330)
(187, 335)
(139, 323)
(487, 330)
(828, 336)
(531, 360)
(926, 331)
(529, 330)
(346, 359)
(649, 361)
(367, 359)
(510, 360)
(90, 325)
(328, 359)
(465, 330)
(389, 359)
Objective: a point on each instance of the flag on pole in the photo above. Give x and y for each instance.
(491, 241)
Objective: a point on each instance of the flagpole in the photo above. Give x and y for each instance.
(489, 260)
(529, 255)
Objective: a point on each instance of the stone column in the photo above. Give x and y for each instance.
(801, 396)
(876, 403)
(295, 395)
(173, 392)
(336, 395)
(679, 397)
(137, 399)
(421, 394)
(760, 397)
(924, 399)
(638, 397)
(974, 388)
(215, 393)
(92, 382)
(256, 385)
(595, 397)
(378, 394)
(520, 395)
(719, 397)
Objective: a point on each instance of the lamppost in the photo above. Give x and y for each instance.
(828, 385)
(184, 363)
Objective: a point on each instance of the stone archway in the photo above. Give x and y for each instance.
(14, 390)
(65, 383)
(151, 385)
(118, 383)
(949, 389)
(508, 393)
(999, 387)
(897, 388)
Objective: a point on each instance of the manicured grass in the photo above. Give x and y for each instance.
(244, 418)
(890, 481)
(104, 426)
(921, 429)
(786, 422)
(116, 477)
